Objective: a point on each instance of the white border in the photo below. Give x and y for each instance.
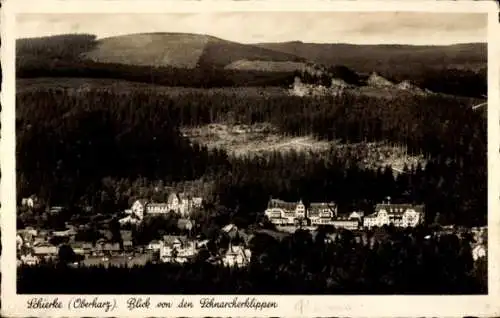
(386, 306)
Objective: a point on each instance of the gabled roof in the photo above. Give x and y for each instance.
(322, 205)
(398, 208)
(172, 196)
(170, 239)
(276, 203)
(141, 201)
(230, 227)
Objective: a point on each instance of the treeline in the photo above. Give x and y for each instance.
(453, 81)
(199, 77)
(67, 47)
(403, 263)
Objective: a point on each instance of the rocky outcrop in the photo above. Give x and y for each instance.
(375, 80)
(410, 87)
(302, 89)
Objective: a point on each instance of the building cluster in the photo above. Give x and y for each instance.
(37, 246)
(283, 213)
(178, 203)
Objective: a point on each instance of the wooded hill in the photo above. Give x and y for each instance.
(192, 60)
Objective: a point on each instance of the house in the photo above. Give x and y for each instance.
(357, 215)
(201, 244)
(185, 224)
(321, 213)
(237, 256)
(30, 260)
(138, 208)
(479, 251)
(182, 203)
(285, 213)
(111, 248)
(230, 229)
(179, 203)
(155, 245)
(56, 209)
(197, 202)
(45, 250)
(78, 248)
(400, 215)
(177, 250)
(174, 202)
(65, 233)
(157, 208)
(128, 245)
(19, 242)
(87, 248)
(130, 219)
(345, 223)
(29, 202)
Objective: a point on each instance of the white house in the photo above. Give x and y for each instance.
(285, 213)
(400, 215)
(157, 208)
(138, 208)
(237, 256)
(28, 202)
(30, 260)
(321, 213)
(478, 252)
(155, 245)
(178, 251)
(346, 223)
(45, 250)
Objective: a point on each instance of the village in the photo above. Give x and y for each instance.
(37, 245)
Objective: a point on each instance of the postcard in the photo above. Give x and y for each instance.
(250, 159)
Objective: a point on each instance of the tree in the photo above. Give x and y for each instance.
(66, 254)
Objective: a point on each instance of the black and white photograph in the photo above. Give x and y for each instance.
(251, 153)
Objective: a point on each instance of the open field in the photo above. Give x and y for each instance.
(246, 140)
(240, 140)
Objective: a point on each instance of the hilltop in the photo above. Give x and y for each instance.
(182, 50)
(369, 58)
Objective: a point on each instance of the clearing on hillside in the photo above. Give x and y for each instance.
(182, 50)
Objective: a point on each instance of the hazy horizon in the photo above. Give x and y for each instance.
(392, 28)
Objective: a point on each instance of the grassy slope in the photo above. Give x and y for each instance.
(178, 50)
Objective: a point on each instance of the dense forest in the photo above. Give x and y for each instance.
(74, 140)
(405, 262)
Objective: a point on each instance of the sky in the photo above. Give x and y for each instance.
(255, 27)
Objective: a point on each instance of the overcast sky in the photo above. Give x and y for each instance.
(251, 27)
